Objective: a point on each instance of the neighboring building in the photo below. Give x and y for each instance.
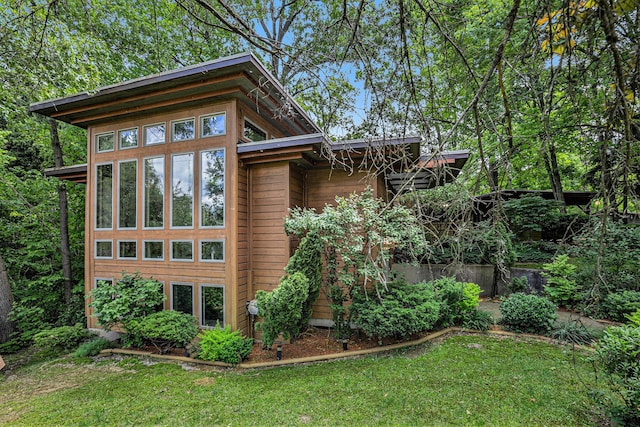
(190, 174)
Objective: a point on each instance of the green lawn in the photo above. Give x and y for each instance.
(466, 380)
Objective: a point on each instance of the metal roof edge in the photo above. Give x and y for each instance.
(291, 141)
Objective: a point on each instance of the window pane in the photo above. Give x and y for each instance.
(128, 138)
(104, 142)
(212, 189)
(212, 250)
(154, 192)
(154, 250)
(212, 125)
(182, 250)
(128, 179)
(128, 249)
(104, 196)
(182, 190)
(154, 134)
(183, 130)
(104, 249)
(182, 298)
(212, 305)
(253, 133)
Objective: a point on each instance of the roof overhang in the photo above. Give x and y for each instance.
(239, 76)
(571, 198)
(75, 173)
(430, 171)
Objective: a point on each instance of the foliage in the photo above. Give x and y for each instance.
(307, 260)
(29, 321)
(61, 339)
(93, 347)
(535, 250)
(128, 298)
(477, 320)
(573, 332)
(531, 213)
(561, 286)
(617, 305)
(617, 357)
(164, 330)
(398, 311)
(634, 319)
(220, 344)
(528, 313)
(281, 309)
(458, 300)
(518, 284)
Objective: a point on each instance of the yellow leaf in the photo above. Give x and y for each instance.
(629, 95)
(558, 50)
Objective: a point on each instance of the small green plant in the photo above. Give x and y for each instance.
(164, 330)
(573, 332)
(457, 300)
(634, 319)
(399, 311)
(518, 284)
(129, 298)
(224, 346)
(561, 286)
(92, 348)
(281, 309)
(478, 320)
(528, 313)
(618, 357)
(62, 338)
(617, 305)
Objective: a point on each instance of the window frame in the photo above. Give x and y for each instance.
(173, 122)
(144, 191)
(201, 308)
(266, 134)
(171, 258)
(224, 189)
(193, 296)
(101, 279)
(144, 134)
(135, 227)
(200, 251)
(120, 147)
(127, 258)
(201, 119)
(96, 145)
(95, 196)
(144, 258)
(95, 248)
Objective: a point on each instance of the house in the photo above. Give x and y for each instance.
(191, 172)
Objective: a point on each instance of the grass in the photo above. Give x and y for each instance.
(466, 380)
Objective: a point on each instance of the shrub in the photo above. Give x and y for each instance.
(617, 305)
(28, 322)
(618, 357)
(561, 286)
(457, 300)
(281, 309)
(478, 320)
(92, 348)
(399, 311)
(62, 338)
(518, 284)
(224, 346)
(528, 313)
(634, 319)
(164, 330)
(574, 333)
(129, 298)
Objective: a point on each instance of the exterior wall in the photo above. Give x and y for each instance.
(193, 272)
(242, 261)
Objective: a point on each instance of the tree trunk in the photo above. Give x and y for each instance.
(65, 248)
(551, 163)
(6, 302)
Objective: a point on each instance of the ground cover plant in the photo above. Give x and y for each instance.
(461, 381)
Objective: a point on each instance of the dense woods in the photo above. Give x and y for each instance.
(544, 94)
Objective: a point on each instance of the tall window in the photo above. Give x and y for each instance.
(211, 305)
(154, 192)
(104, 196)
(182, 297)
(127, 193)
(212, 188)
(182, 190)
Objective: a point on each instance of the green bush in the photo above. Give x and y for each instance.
(399, 311)
(28, 322)
(518, 284)
(164, 330)
(478, 320)
(618, 358)
(528, 313)
(131, 297)
(561, 286)
(224, 346)
(62, 338)
(457, 300)
(574, 333)
(92, 348)
(634, 319)
(618, 305)
(281, 309)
